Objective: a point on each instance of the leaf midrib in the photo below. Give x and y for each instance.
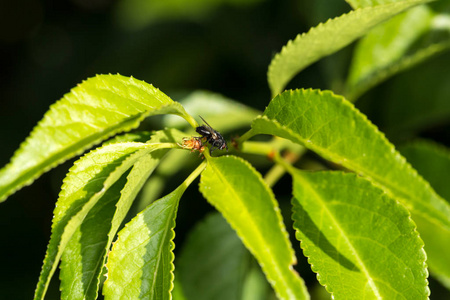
(250, 219)
(59, 157)
(359, 261)
(373, 177)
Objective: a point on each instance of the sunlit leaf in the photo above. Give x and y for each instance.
(140, 264)
(327, 38)
(330, 126)
(239, 193)
(214, 264)
(366, 3)
(84, 257)
(93, 111)
(84, 186)
(140, 137)
(170, 165)
(362, 244)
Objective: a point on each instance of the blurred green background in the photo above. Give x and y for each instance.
(225, 46)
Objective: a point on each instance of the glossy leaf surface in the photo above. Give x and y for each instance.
(140, 265)
(239, 193)
(84, 186)
(84, 257)
(332, 127)
(326, 39)
(93, 111)
(362, 244)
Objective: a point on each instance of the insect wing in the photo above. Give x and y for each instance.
(204, 131)
(212, 136)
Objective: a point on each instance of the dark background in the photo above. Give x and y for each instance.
(47, 47)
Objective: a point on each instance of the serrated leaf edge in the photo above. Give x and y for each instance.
(313, 30)
(293, 258)
(41, 290)
(105, 134)
(171, 234)
(274, 202)
(113, 230)
(308, 253)
(373, 179)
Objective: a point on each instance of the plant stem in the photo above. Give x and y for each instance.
(190, 120)
(287, 161)
(194, 175)
(249, 134)
(259, 148)
(274, 174)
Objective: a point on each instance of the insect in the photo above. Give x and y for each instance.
(194, 143)
(212, 136)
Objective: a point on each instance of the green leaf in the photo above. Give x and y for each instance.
(326, 39)
(426, 99)
(93, 111)
(400, 43)
(214, 264)
(84, 257)
(366, 3)
(247, 203)
(362, 244)
(216, 109)
(140, 265)
(433, 163)
(170, 165)
(84, 186)
(177, 292)
(333, 128)
(330, 126)
(256, 286)
(436, 239)
(140, 137)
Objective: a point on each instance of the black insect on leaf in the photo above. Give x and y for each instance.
(213, 137)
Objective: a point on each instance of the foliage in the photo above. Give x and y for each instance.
(370, 224)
